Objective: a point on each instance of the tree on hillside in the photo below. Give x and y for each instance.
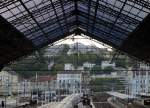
(96, 70)
(65, 49)
(121, 63)
(57, 67)
(108, 70)
(106, 84)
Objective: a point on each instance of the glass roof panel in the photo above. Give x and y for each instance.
(115, 19)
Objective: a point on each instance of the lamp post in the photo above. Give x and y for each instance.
(6, 94)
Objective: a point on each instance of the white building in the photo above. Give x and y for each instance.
(50, 65)
(139, 81)
(8, 82)
(37, 83)
(107, 64)
(80, 68)
(69, 80)
(43, 83)
(24, 88)
(69, 66)
(88, 65)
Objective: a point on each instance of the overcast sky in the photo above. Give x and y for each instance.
(83, 40)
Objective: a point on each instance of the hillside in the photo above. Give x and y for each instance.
(51, 59)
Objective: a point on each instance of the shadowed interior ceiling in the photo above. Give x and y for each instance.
(28, 25)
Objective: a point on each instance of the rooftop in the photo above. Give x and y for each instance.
(70, 72)
(43, 78)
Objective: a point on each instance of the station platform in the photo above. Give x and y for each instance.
(67, 102)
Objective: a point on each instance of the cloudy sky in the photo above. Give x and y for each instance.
(83, 39)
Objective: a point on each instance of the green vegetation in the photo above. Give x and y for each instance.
(96, 70)
(65, 49)
(121, 63)
(77, 59)
(106, 84)
(38, 62)
(29, 67)
(124, 61)
(108, 70)
(57, 67)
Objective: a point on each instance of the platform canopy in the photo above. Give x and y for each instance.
(120, 95)
(28, 25)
